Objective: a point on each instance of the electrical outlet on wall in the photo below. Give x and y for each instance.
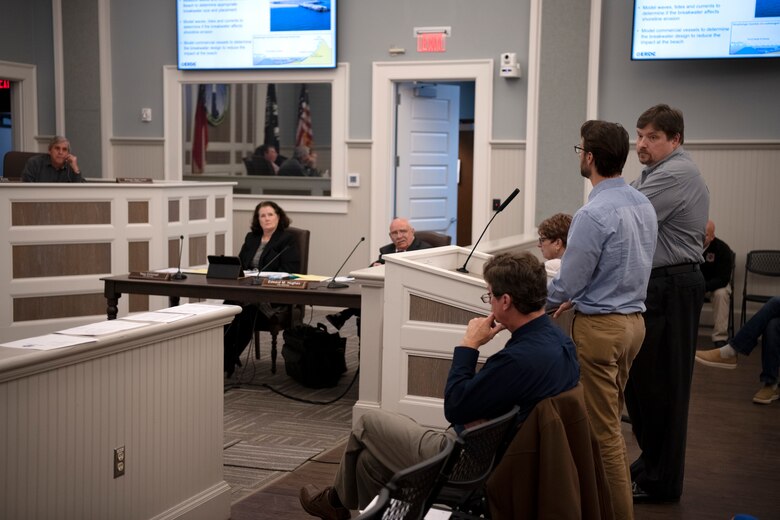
(119, 461)
(353, 180)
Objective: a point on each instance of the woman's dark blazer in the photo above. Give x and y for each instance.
(289, 261)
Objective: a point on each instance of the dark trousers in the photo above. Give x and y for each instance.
(659, 383)
(239, 332)
(766, 323)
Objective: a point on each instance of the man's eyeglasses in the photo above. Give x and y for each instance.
(486, 297)
(578, 149)
(542, 239)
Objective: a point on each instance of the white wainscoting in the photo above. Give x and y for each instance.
(137, 158)
(157, 391)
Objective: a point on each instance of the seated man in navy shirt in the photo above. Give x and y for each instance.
(59, 165)
(537, 362)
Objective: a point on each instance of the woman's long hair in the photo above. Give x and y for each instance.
(284, 220)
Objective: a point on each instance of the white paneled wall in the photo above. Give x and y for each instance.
(162, 400)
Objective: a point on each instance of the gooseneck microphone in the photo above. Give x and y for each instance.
(499, 210)
(179, 275)
(335, 285)
(256, 280)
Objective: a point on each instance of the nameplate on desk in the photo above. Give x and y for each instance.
(149, 275)
(134, 180)
(287, 284)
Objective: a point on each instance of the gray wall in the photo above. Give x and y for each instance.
(563, 73)
(81, 74)
(721, 99)
(26, 37)
(368, 28)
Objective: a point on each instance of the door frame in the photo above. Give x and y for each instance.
(24, 104)
(383, 127)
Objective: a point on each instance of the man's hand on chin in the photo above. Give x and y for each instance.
(480, 331)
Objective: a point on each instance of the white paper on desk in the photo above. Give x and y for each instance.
(48, 342)
(103, 327)
(157, 317)
(192, 309)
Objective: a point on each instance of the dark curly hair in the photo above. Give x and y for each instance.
(556, 227)
(284, 220)
(521, 276)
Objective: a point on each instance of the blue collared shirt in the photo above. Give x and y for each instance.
(609, 254)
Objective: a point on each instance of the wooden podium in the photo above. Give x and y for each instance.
(427, 305)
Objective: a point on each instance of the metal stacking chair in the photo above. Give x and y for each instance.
(474, 458)
(406, 495)
(762, 263)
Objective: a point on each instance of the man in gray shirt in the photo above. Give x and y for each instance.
(659, 383)
(59, 165)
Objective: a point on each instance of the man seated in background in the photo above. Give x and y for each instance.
(59, 165)
(265, 160)
(717, 277)
(402, 236)
(765, 324)
(537, 362)
(294, 166)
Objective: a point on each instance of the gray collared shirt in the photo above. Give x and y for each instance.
(681, 200)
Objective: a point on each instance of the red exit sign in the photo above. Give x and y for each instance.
(5, 84)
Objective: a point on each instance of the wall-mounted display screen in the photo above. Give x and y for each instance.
(256, 34)
(702, 29)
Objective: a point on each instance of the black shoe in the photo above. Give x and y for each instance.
(718, 344)
(337, 320)
(643, 497)
(324, 504)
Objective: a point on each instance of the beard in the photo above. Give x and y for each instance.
(585, 172)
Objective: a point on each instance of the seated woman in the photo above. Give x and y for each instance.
(552, 241)
(268, 247)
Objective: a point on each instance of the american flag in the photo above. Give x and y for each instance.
(304, 135)
(200, 135)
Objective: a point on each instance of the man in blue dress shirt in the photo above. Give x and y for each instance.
(604, 274)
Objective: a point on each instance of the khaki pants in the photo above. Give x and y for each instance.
(606, 346)
(381, 444)
(720, 299)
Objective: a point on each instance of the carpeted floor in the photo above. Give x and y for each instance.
(268, 435)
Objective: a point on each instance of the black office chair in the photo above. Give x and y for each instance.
(434, 238)
(290, 315)
(474, 458)
(760, 263)
(13, 164)
(258, 166)
(406, 495)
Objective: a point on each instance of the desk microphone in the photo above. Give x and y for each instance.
(335, 285)
(179, 275)
(256, 280)
(499, 210)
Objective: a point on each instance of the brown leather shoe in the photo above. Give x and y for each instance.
(324, 504)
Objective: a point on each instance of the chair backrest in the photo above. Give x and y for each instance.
(764, 262)
(474, 458)
(258, 166)
(434, 238)
(13, 163)
(406, 495)
(302, 238)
